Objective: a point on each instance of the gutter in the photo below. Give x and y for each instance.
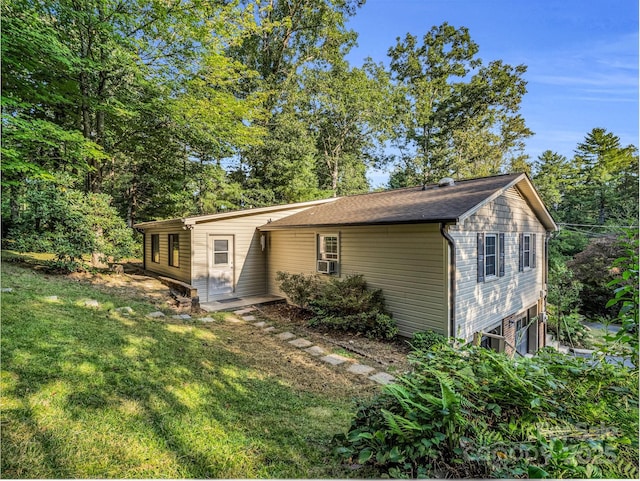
(452, 279)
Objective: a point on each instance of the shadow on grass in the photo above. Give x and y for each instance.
(90, 396)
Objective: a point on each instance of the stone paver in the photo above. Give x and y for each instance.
(334, 359)
(269, 329)
(285, 336)
(234, 320)
(248, 318)
(51, 299)
(382, 378)
(361, 369)
(91, 303)
(300, 343)
(206, 319)
(316, 351)
(242, 312)
(260, 324)
(6, 289)
(155, 314)
(126, 310)
(184, 317)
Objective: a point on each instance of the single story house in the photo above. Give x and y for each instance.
(459, 258)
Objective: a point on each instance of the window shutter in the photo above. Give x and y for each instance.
(480, 257)
(521, 253)
(501, 257)
(533, 251)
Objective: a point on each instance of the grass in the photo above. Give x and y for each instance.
(87, 392)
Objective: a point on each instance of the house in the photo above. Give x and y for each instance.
(459, 258)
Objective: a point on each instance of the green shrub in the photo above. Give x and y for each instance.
(340, 304)
(299, 288)
(473, 412)
(425, 340)
(569, 330)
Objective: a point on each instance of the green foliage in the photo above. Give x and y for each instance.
(340, 304)
(425, 340)
(472, 412)
(454, 115)
(569, 329)
(301, 290)
(70, 224)
(626, 295)
(593, 269)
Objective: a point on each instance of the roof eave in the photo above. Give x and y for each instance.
(269, 227)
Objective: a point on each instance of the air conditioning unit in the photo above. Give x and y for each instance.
(327, 267)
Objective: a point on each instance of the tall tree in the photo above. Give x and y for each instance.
(553, 175)
(291, 37)
(459, 117)
(347, 115)
(605, 187)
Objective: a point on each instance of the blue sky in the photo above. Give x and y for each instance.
(582, 58)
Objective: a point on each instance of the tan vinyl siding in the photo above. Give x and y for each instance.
(482, 305)
(408, 262)
(183, 272)
(249, 259)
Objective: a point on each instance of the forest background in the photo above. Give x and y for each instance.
(116, 112)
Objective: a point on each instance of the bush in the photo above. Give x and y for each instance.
(425, 340)
(299, 288)
(593, 269)
(344, 305)
(569, 330)
(472, 412)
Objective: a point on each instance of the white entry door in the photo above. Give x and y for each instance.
(220, 265)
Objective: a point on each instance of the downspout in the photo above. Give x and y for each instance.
(452, 279)
(144, 250)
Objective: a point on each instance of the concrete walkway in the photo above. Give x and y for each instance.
(234, 304)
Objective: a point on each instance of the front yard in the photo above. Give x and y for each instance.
(90, 392)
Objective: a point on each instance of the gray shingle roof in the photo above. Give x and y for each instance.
(401, 206)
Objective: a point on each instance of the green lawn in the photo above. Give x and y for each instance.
(89, 393)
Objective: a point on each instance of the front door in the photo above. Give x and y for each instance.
(522, 336)
(220, 265)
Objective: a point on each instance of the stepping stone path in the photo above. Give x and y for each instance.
(182, 316)
(285, 336)
(382, 378)
(206, 319)
(125, 311)
(91, 303)
(316, 351)
(300, 343)
(155, 314)
(51, 299)
(308, 347)
(242, 312)
(334, 359)
(360, 369)
(6, 289)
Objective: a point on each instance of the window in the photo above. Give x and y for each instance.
(490, 256)
(527, 250)
(155, 248)
(328, 247)
(174, 250)
(220, 252)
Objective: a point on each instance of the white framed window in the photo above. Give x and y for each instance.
(527, 250)
(328, 247)
(491, 252)
(490, 255)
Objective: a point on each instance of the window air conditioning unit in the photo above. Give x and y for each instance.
(327, 267)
